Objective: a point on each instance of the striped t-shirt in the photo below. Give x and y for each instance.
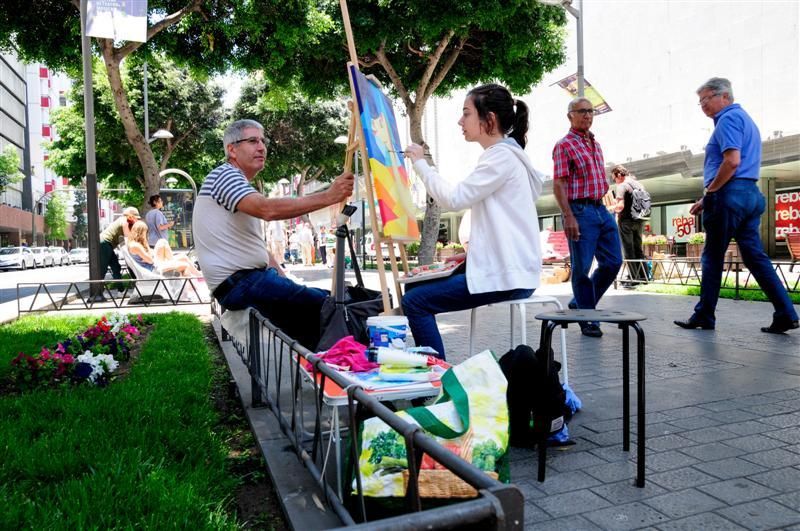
(226, 239)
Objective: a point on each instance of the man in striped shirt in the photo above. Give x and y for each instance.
(579, 184)
(229, 238)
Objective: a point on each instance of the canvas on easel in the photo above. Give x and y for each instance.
(390, 178)
(373, 132)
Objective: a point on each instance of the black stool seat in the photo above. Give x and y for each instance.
(625, 321)
(585, 316)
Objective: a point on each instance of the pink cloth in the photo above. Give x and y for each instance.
(347, 353)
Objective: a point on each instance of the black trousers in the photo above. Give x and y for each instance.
(630, 232)
(109, 259)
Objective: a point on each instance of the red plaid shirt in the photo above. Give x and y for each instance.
(579, 158)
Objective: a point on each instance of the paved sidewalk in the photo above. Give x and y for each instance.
(723, 422)
(723, 419)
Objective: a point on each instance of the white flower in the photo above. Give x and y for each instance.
(100, 364)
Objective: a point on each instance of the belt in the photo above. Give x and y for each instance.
(587, 201)
(227, 285)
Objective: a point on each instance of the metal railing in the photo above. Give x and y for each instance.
(688, 272)
(277, 382)
(114, 294)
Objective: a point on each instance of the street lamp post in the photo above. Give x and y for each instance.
(578, 14)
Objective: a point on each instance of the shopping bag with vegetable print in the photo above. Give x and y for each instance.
(470, 418)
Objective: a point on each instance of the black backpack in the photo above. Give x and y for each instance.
(533, 396)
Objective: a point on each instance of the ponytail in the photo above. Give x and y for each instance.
(493, 98)
(519, 131)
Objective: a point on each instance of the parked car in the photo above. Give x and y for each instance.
(60, 256)
(16, 257)
(79, 255)
(42, 256)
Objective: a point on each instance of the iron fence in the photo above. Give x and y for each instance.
(688, 272)
(112, 294)
(310, 425)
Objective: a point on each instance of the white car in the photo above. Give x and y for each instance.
(16, 257)
(60, 256)
(79, 255)
(42, 257)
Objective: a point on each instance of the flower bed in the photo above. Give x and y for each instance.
(89, 357)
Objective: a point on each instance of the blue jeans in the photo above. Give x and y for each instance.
(735, 211)
(292, 307)
(599, 239)
(423, 301)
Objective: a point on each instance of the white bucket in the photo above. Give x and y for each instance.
(388, 331)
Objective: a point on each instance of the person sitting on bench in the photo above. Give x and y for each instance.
(162, 261)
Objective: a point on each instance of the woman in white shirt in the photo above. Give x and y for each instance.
(504, 257)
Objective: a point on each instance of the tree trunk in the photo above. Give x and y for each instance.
(132, 132)
(433, 212)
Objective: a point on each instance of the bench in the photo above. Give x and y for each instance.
(165, 287)
(793, 244)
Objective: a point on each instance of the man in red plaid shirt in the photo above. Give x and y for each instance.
(579, 184)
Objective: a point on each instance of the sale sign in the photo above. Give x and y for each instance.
(787, 213)
(681, 222)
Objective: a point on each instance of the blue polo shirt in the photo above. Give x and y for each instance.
(734, 129)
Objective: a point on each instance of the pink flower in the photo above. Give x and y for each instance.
(68, 358)
(45, 354)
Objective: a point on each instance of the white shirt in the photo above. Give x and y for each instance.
(504, 251)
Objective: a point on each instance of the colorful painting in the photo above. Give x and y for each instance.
(389, 176)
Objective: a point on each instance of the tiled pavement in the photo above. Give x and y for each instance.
(723, 422)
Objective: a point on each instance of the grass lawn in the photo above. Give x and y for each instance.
(161, 448)
(725, 292)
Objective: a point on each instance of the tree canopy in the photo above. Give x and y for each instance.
(55, 218)
(80, 230)
(205, 35)
(422, 48)
(302, 131)
(189, 108)
(9, 167)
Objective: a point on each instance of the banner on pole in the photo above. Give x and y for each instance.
(570, 84)
(121, 20)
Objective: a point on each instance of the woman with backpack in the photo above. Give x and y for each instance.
(630, 219)
(501, 192)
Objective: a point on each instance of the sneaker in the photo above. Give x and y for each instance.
(779, 326)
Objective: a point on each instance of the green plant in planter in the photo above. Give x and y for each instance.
(697, 238)
(654, 239)
(412, 249)
(457, 247)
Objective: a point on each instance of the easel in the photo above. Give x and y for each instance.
(355, 141)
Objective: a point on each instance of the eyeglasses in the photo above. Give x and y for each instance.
(707, 98)
(584, 112)
(253, 140)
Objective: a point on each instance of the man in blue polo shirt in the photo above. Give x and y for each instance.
(732, 206)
